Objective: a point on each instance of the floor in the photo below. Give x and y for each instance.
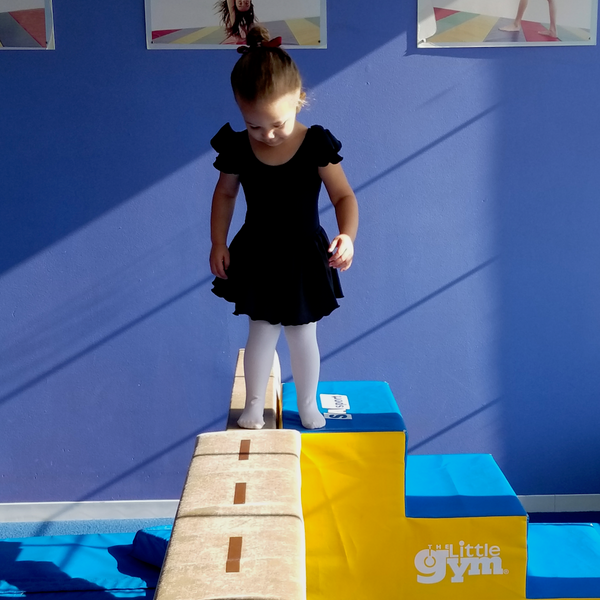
(23, 29)
(21, 530)
(564, 517)
(457, 26)
(293, 32)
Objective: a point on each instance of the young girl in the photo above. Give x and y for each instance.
(237, 16)
(280, 268)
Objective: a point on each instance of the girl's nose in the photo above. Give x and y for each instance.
(270, 134)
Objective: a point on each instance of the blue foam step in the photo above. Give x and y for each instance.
(371, 407)
(458, 485)
(563, 560)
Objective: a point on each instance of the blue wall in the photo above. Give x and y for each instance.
(474, 293)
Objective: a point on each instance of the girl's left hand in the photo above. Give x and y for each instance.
(342, 250)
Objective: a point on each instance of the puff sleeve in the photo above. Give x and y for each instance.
(226, 143)
(327, 147)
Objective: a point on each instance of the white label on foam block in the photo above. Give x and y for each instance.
(335, 402)
(339, 416)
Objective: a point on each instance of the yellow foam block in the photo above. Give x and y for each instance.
(478, 558)
(353, 505)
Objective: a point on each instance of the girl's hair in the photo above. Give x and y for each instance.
(263, 71)
(238, 25)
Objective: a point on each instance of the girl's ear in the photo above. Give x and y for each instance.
(301, 101)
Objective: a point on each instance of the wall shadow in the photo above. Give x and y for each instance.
(458, 423)
(75, 117)
(103, 340)
(407, 310)
(186, 441)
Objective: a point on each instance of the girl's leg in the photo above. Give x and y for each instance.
(521, 11)
(552, 9)
(258, 362)
(306, 365)
(516, 24)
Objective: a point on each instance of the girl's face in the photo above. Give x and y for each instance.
(243, 5)
(271, 121)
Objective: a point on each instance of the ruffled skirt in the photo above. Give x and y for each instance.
(286, 280)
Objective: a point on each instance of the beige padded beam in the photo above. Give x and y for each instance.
(239, 530)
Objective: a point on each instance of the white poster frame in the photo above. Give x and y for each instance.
(197, 24)
(16, 34)
(485, 23)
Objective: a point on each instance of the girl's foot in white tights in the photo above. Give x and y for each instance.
(252, 416)
(310, 416)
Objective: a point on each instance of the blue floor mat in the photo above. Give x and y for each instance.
(69, 566)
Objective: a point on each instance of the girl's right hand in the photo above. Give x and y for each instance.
(219, 260)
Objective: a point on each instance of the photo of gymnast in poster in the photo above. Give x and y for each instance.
(172, 24)
(456, 23)
(26, 25)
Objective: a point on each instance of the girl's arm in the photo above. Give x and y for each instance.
(231, 8)
(223, 203)
(346, 212)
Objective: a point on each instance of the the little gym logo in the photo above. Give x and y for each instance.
(434, 565)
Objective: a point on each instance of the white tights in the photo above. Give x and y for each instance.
(258, 361)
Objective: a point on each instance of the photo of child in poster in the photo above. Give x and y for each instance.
(452, 23)
(172, 24)
(26, 25)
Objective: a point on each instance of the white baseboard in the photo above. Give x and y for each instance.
(561, 503)
(33, 512)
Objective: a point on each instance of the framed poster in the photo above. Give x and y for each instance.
(202, 24)
(481, 23)
(26, 25)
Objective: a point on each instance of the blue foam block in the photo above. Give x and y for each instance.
(150, 544)
(98, 563)
(458, 485)
(563, 560)
(372, 407)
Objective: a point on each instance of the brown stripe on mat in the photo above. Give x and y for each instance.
(239, 496)
(234, 555)
(244, 450)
